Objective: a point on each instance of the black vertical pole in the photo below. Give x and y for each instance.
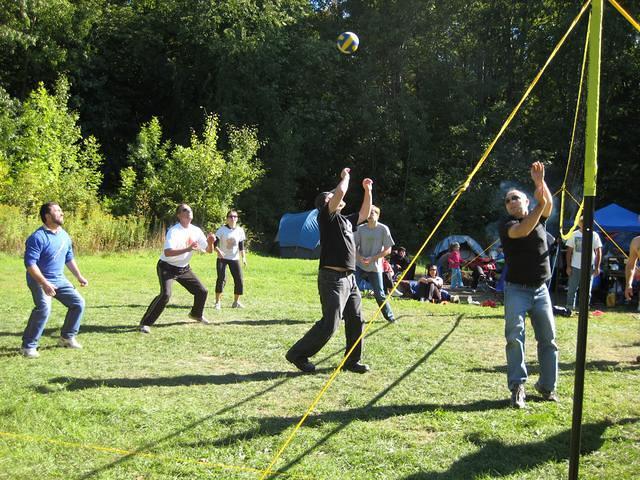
(590, 177)
(581, 348)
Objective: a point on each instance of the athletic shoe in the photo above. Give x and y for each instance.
(29, 352)
(396, 293)
(217, 306)
(145, 329)
(301, 364)
(200, 319)
(356, 367)
(518, 396)
(391, 320)
(549, 396)
(237, 305)
(69, 342)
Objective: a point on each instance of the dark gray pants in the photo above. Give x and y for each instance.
(167, 273)
(340, 298)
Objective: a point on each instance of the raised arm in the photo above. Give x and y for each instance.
(542, 190)
(340, 191)
(365, 208)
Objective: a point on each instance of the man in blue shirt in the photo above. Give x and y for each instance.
(47, 251)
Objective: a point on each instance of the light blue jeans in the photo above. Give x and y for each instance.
(456, 278)
(518, 301)
(65, 294)
(375, 279)
(572, 288)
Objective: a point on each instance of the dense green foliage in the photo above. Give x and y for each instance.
(414, 108)
(201, 402)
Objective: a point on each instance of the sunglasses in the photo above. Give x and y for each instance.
(512, 198)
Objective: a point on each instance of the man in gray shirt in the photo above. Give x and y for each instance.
(373, 242)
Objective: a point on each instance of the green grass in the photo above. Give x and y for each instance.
(192, 401)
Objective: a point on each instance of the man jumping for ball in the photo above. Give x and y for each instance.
(339, 294)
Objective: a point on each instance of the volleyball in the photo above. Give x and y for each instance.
(347, 42)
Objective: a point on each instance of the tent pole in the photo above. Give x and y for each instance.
(590, 174)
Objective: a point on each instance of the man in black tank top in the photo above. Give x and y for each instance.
(524, 240)
(339, 294)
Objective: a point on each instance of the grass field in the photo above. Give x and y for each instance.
(192, 401)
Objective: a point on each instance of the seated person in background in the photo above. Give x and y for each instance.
(387, 275)
(400, 262)
(430, 286)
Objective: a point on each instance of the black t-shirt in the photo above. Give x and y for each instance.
(527, 258)
(337, 248)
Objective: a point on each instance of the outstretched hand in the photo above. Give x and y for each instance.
(345, 172)
(367, 184)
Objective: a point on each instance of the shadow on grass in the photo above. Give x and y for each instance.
(72, 384)
(264, 323)
(346, 417)
(595, 365)
(497, 459)
(149, 446)
(93, 328)
(270, 426)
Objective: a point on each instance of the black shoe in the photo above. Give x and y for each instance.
(356, 367)
(301, 364)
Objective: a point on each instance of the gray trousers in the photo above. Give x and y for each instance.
(340, 298)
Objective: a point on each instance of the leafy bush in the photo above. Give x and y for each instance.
(92, 230)
(160, 175)
(44, 156)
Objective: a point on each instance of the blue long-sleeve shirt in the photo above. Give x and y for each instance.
(49, 251)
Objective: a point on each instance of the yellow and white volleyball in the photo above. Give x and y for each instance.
(348, 42)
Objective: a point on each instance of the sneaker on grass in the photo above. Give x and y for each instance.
(518, 396)
(200, 319)
(29, 352)
(145, 329)
(237, 304)
(70, 342)
(549, 396)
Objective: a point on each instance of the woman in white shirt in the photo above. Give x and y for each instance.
(229, 246)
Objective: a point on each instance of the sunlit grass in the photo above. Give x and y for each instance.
(195, 401)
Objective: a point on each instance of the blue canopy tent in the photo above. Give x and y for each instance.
(615, 218)
(299, 235)
(621, 224)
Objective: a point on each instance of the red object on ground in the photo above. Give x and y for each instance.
(489, 303)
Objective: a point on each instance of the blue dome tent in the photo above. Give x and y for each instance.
(299, 235)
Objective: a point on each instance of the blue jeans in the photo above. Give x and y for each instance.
(65, 294)
(518, 301)
(572, 288)
(456, 278)
(375, 279)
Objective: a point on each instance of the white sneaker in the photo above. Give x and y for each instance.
(145, 329)
(217, 306)
(237, 305)
(69, 342)
(29, 352)
(396, 293)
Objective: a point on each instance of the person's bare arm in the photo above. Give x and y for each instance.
(340, 191)
(630, 269)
